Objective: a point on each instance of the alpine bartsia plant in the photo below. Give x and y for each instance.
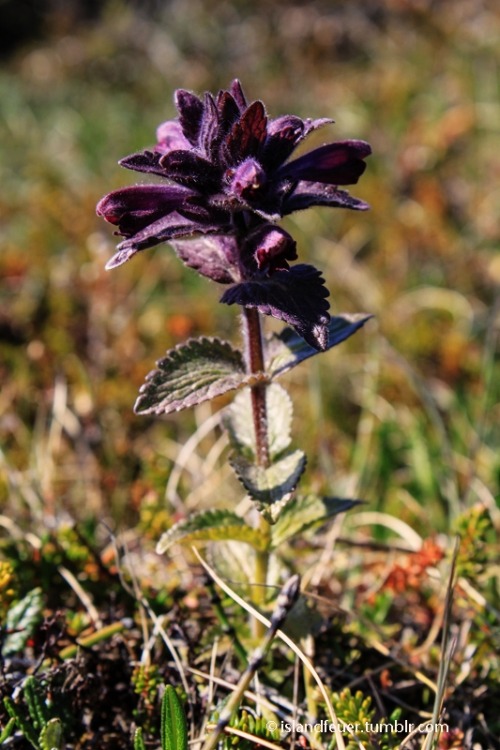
(226, 177)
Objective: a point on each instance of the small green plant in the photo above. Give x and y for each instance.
(36, 725)
(357, 716)
(244, 723)
(146, 681)
(476, 533)
(173, 725)
(20, 622)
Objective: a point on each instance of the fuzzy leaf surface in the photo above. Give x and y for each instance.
(173, 728)
(212, 256)
(288, 349)
(305, 512)
(239, 421)
(270, 485)
(297, 296)
(191, 373)
(211, 526)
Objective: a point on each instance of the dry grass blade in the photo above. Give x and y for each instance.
(82, 595)
(447, 649)
(285, 639)
(395, 524)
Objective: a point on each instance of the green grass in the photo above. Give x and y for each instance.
(404, 416)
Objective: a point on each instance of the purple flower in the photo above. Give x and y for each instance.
(227, 178)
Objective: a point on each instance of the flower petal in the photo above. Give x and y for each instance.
(296, 296)
(170, 137)
(283, 134)
(247, 180)
(339, 163)
(268, 249)
(133, 208)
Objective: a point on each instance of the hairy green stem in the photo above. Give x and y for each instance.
(255, 364)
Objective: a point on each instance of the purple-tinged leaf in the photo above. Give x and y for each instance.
(272, 484)
(311, 125)
(213, 256)
(306, 194)
(211, 526)
(297, 296)
(339, 163)
(120, 257)
(191, 373)
(302, 513)
(238, 95)
(228, 110)
(287, 349)
(190, 169)
(190, 110)
(147, 161)
(172, 226)
(210, 135)
(248, 133)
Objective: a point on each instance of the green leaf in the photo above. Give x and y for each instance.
(305, 512)
(173, 729)
(288, 349)
(139, 740)
(51, 736)
(8, 730)
(239, 421)
(191, 373)
(22, 619)
(268, 486)
(35, 699)
(25, 726)
(211, 526)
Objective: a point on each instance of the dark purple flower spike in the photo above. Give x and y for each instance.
(227, 181)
